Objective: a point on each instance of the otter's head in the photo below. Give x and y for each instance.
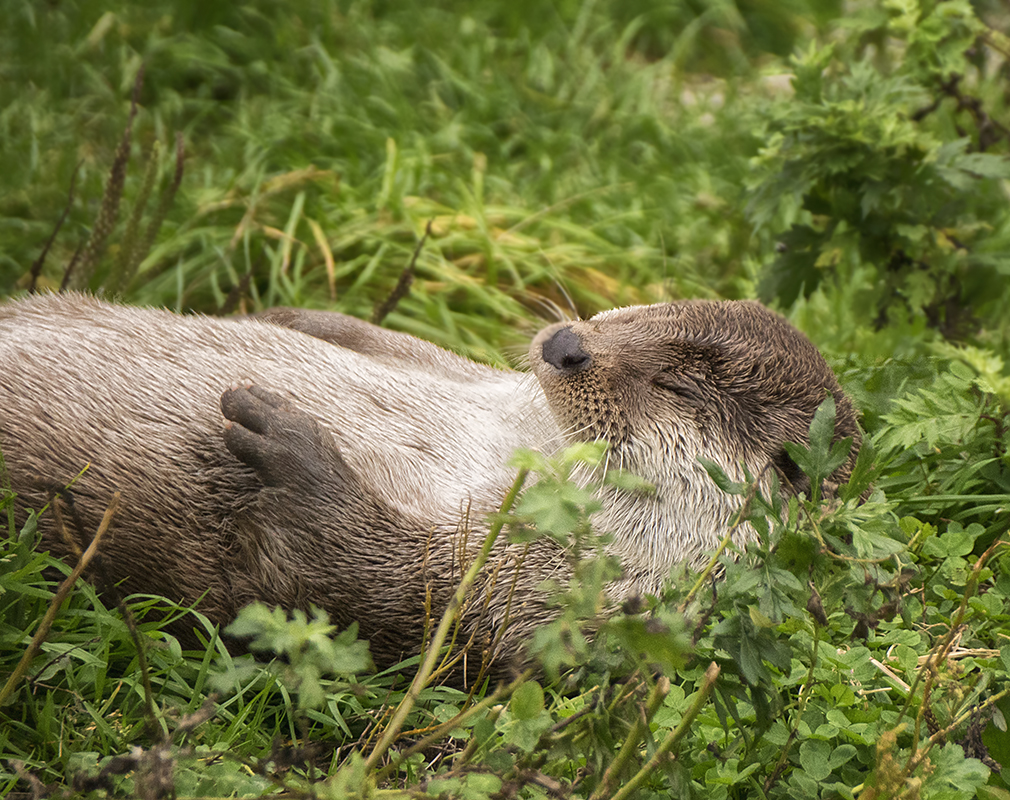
(664, 384)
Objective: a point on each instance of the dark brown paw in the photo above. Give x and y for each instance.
(284, 446)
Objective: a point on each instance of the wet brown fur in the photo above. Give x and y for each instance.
(309, 458)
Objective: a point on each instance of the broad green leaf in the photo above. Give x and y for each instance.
(527, 701)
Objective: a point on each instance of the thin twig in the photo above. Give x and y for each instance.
(942, 734)
(403, 284)
(36, 269)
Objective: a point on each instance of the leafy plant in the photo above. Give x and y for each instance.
(862, 173)
(947, 444)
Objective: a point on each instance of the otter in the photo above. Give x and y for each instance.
(306, 458)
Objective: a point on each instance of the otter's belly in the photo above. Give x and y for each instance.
(136, 393)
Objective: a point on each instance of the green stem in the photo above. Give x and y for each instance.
(942, 734)
(801, 707)
(713, 562)
(458, 721)
(954, 498)
(392, 730)
(673, 737)
(633, 739)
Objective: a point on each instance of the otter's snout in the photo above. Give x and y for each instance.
(564, 352)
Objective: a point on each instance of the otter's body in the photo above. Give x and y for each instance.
(359, 464)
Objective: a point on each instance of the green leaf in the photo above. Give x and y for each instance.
(445, 786)
(751, 665)
(480, 785)
(864, 472)
(954, 777)
(841, 754)
(720, 478)
(992, 793)
(525, 733)
(628, 482)
(822, 457)
(527, 701)
(815, 759)
(659, 640)
(985, 165)
(1004, 654)
(956, 541)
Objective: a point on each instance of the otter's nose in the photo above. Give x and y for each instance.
(564, 352)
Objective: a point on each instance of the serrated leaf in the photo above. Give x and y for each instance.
(750, 662)
(985, 165)
(551, 513)
(955, 776)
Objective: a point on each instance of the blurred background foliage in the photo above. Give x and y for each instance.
(585, 154)
(577, 154)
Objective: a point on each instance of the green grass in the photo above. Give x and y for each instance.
(574, 156)
(553, 158)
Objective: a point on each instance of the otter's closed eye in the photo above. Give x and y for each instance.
(680, 383)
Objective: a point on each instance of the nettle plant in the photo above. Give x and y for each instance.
(884, 169)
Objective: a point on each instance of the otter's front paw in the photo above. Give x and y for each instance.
(285, 447)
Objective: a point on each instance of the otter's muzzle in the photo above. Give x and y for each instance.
(564, 352)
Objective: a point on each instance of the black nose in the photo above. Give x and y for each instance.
(564, 351)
